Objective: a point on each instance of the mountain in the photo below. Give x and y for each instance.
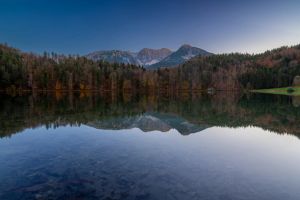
(114, 56)
(151, 56)
(145, 57)
(184, 53)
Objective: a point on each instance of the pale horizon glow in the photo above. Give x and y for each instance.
(81, 27)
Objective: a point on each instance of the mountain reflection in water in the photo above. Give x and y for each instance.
(187, 113)
(102, 146)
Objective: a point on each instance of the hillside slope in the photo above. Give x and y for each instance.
(275, 68)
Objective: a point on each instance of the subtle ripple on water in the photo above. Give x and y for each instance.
(86, 163)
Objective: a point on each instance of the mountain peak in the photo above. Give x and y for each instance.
(185, 46)
(184, 53)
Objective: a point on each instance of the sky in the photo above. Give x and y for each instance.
(81, 27)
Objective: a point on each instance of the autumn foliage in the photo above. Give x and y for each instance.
(50, 71)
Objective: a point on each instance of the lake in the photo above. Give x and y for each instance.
(221, 146)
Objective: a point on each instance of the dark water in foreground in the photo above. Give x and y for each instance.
(83, 146)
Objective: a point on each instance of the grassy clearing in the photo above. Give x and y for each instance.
(281, 91)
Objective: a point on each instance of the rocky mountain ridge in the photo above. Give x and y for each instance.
(149, 58)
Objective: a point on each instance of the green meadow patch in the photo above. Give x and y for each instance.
(291, 91)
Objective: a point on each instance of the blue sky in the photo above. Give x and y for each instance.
(79, 27)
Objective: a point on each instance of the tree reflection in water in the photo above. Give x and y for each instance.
(187, 113)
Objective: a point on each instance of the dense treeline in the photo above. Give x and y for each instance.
(51, 71)
(25, 71)
(276, 68)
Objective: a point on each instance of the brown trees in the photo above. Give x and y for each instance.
(224, 72)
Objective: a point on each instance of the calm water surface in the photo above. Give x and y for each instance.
(83, 146)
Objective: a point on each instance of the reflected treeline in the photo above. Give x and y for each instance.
(188, 113)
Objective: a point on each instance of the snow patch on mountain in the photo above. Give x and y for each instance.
(151, 62)
(188, 56)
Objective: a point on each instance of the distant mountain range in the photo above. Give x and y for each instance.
(150, 58)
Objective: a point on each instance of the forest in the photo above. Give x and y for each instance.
(20, 71)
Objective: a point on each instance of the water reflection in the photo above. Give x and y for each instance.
(103, 146)
(186, 113)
